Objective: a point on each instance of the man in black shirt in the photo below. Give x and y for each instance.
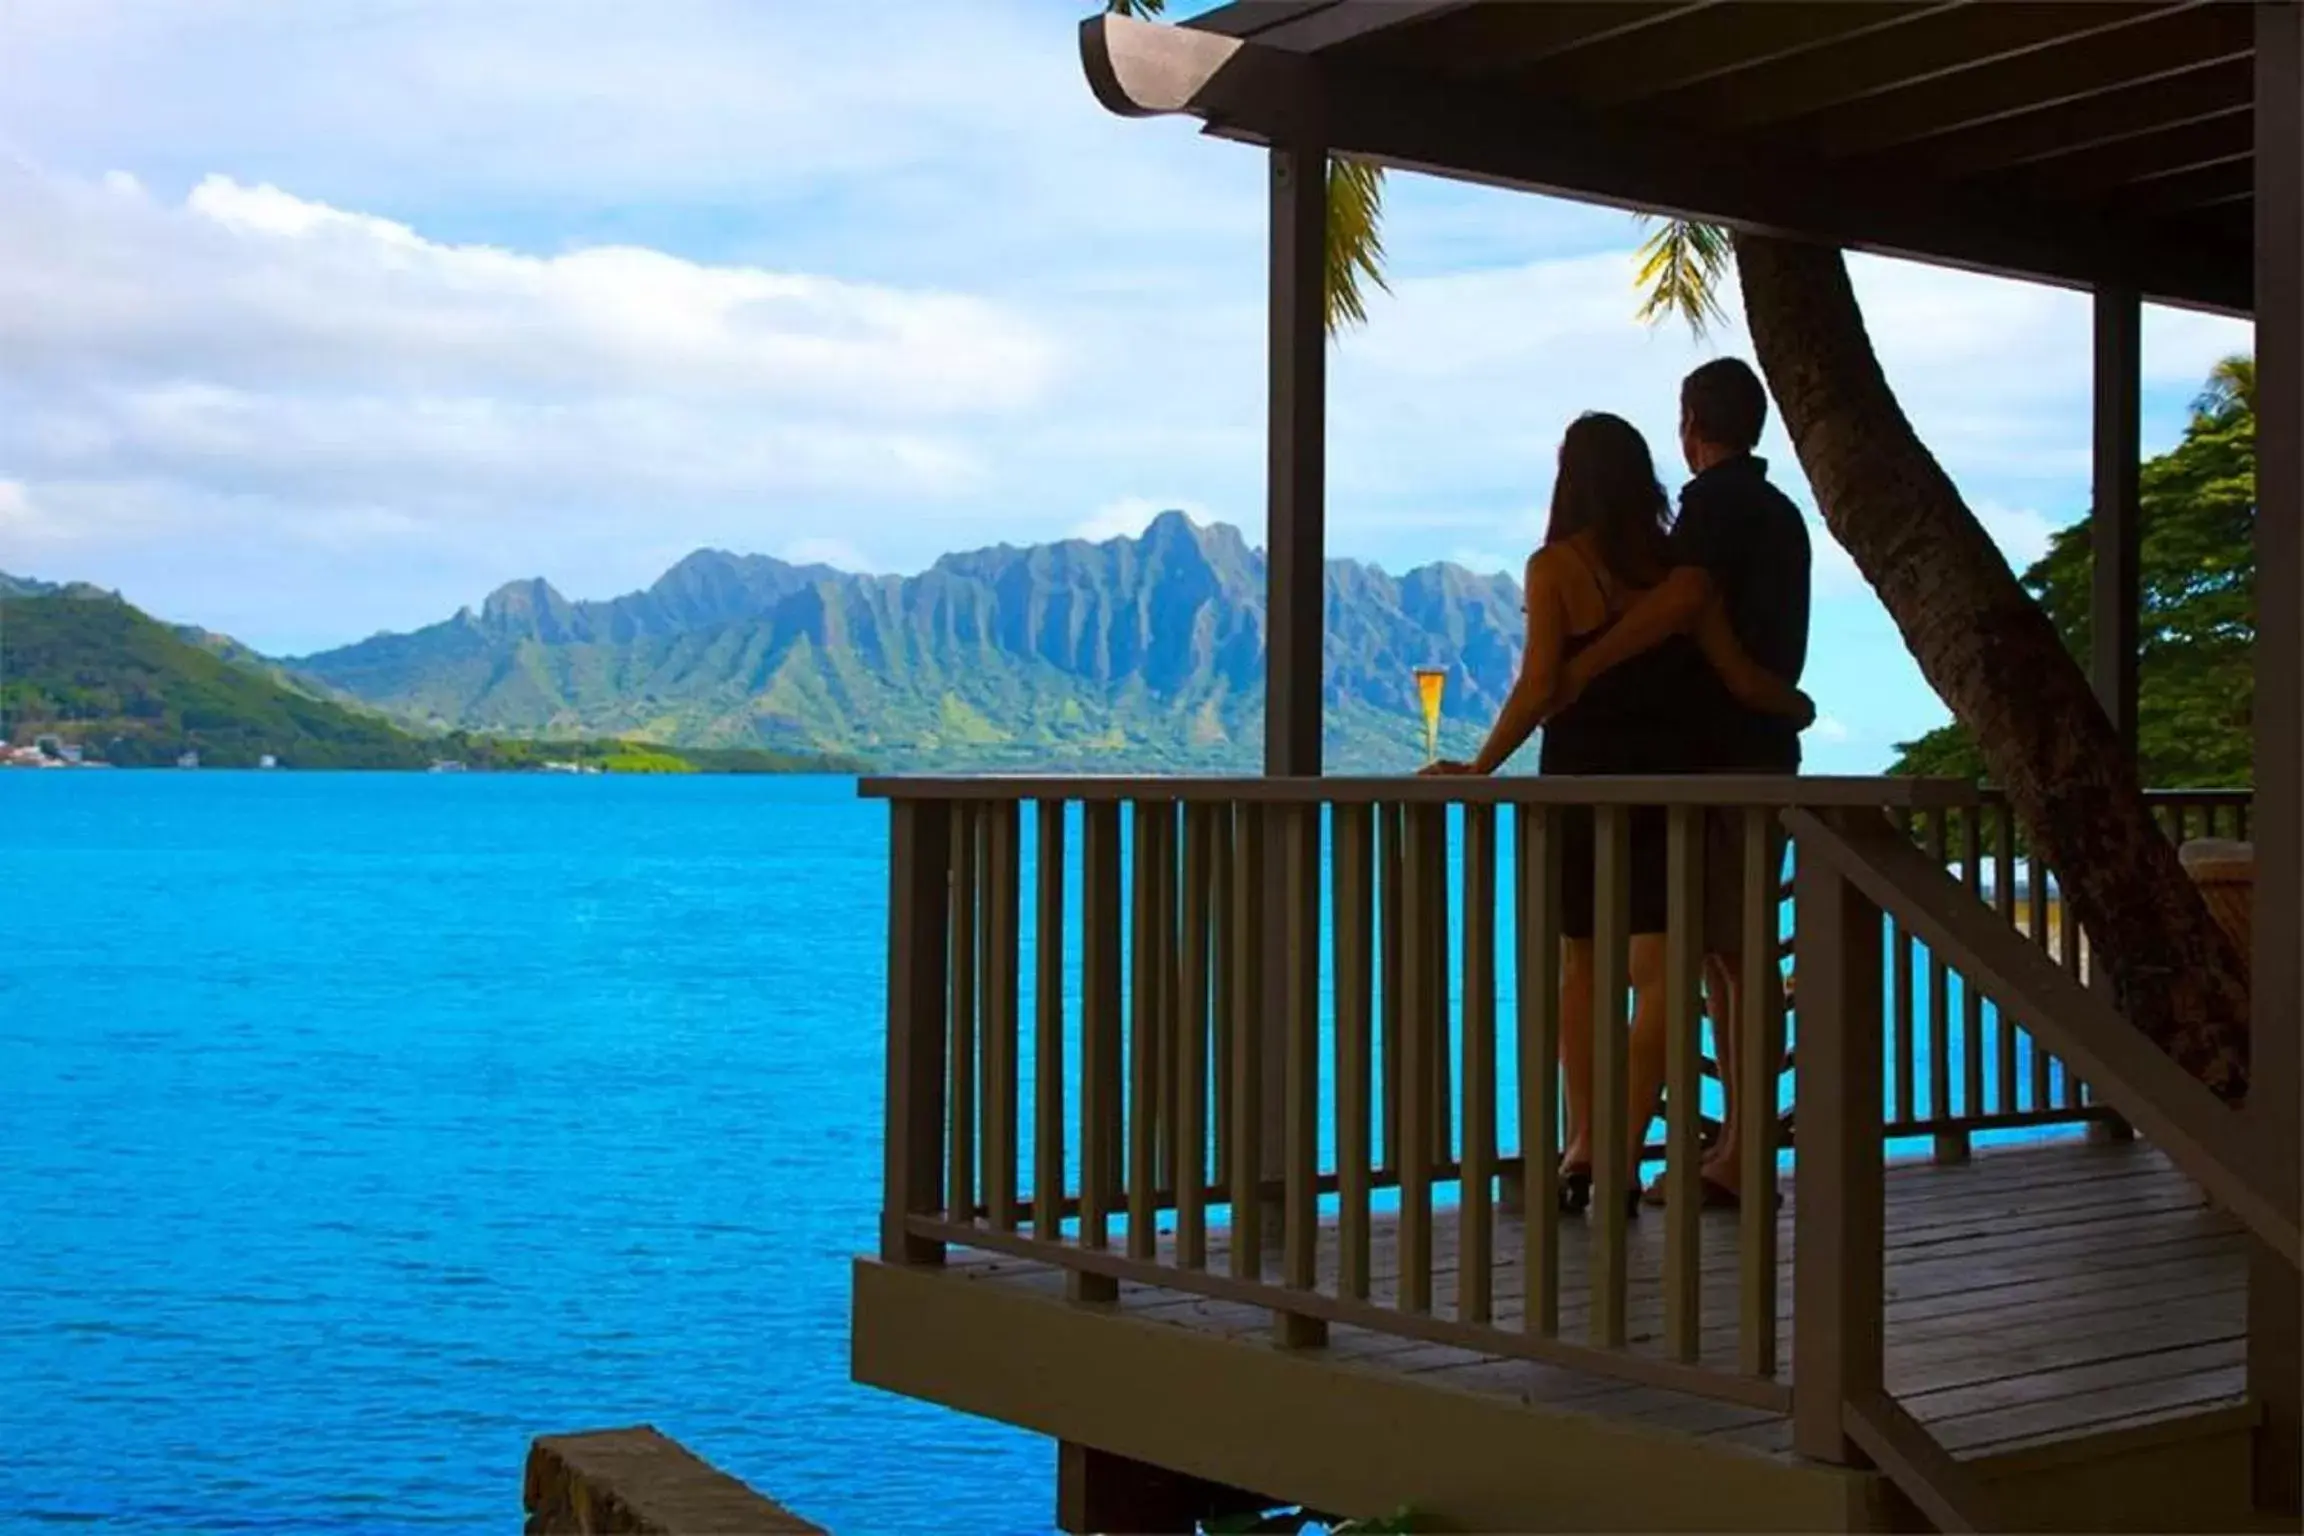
(1742, 540)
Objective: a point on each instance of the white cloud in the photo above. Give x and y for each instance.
(2022, 534)
(836, 553)
(1828, 730)
(252, 285)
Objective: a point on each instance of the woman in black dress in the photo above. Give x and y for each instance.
(1606, 544)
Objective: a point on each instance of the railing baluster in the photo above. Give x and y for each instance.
(1612, 1180)
(1683, 1003)
(1537, 880)
(2036, 901)
(999, 968)
(1903, 1051)
(1165, 996)
(1421, 897)
(1973, 1105)
(1352, 869)
(1299, 852)
(1441, 1064)
(1391, 822)
(919, 900)
(1143, 1034)
(1100, 1036)
(960, 1159)
(1248, 1024)
(1223, 960)
(1048, 1039)
(1951, 1146)
(2068, 936)
(1760, 1044)
(1476, 1229)
(1192, 1046)
(2004, 898)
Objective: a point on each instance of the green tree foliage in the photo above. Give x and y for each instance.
(2198, 626)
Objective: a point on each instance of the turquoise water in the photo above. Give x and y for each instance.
(358, 1128)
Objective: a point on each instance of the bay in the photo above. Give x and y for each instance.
(359, 1127)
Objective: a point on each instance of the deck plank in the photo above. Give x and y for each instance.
(2034, 1294)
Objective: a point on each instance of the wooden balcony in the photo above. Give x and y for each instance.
(1215, 1165)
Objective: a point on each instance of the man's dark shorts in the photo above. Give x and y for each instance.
(1725, 836)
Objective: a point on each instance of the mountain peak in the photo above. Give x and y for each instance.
(1171, 524)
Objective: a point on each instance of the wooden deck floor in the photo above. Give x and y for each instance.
(2036, 1295)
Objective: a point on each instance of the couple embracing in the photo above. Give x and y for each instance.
(1660, 645)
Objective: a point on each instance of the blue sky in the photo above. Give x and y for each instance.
(329, 318)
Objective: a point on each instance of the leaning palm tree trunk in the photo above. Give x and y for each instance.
(1991, 653)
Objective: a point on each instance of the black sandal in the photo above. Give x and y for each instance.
(1575, 1189)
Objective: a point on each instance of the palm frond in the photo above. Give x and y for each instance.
(1355, 246)
(2231, 389)
(1681, 265)
(1142, 10)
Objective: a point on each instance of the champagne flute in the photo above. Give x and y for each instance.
(1430, 683)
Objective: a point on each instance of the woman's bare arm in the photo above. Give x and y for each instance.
(1749, 683)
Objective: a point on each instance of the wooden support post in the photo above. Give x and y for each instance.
(919, 904)
(1296, 428)
(1837, 1262)
(2116, 541)
(1295, 490)
(2115, 532)
(1097, 1491)
(2275, 1303)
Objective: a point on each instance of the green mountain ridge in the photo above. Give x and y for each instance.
(1129, 654)
(83, 664)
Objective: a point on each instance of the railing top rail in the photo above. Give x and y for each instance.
(1779, 791)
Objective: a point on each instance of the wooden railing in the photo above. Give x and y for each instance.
(1239, 1002)
(1957, 1065)
(1295, 1043)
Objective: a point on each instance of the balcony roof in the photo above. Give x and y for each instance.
(2081, 143)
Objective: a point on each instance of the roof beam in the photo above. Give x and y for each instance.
(2072, 125)
(1504, 137)
(1493, 38)
(2089, 172)
(1953, 42)
(1719, 40)
(2121, 57)
(2193, 186)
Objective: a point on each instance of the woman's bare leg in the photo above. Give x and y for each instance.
(1576, 1049)
(1644, 1063)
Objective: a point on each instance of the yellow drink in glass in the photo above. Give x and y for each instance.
(1431, 682)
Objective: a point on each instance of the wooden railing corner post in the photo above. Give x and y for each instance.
(920, 902)
(1838, 1292)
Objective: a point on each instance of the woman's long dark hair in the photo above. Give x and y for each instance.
(1607, 487)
